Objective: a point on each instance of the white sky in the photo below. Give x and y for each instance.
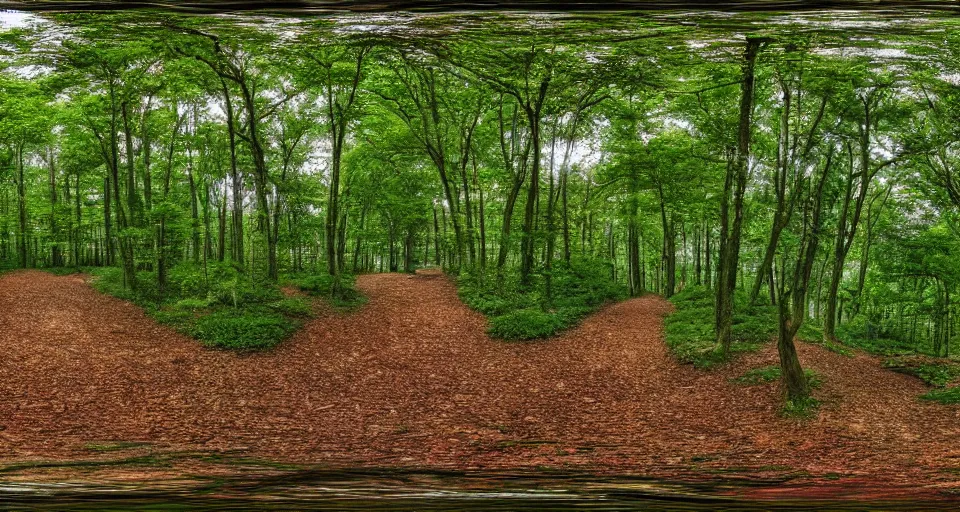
(15, 19)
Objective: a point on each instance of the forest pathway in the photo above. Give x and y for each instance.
(410, 379)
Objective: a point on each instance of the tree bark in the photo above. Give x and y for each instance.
(735, 183)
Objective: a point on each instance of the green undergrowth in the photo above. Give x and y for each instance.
(872, 338)
(63, 271)
(769, 374)
(801, 409)
(519, 313)
(932, 371)
(218, 306)
(689, 331)
(943, 396)
(342, 295)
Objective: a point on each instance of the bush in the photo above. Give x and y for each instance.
(192, 303)
(943, 396)
(689, 331)
(769, 374)
(293, 306)
(524, 324)
(322, 285)
(872, 338)
(242, 330)
(933, 372)
(220, 307)
(517, 313)
(584, 283)
(804, 408)
(60, 271)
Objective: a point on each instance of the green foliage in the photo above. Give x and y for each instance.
(932, 371)
(760, 376)
(61, 271)
(802, 409)
(109, 280)
(769, 374)
(292, 306)
(578, 289)
(191, 303)
(689, 331)
(872, 338)
(943, 396)
(342, 294)
(220, 307)
(525, 324)
(242, 329)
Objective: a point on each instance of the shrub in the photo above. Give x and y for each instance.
(872, 338)
(524, 324)
(191, 303)
(314, 284)
(293, 306)
(221, 307)
(584, 283)
(243, 330)
(769, 374)
(689, 331)
(804, 408)
(932, 371)
(943, 396)
(322, 285)
(577, 289)
(60, 271)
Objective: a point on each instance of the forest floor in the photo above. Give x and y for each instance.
(410, 380)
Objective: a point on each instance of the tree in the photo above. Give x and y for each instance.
(734, 190)
(336, 72)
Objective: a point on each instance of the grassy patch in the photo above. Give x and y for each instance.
(219, 306)
(526, 313)
(525, 324)
(689, 331)
(875, 338)
(769, 374)
(242, 329)
(62, 271)
(943, 396)
(324, 286)
(932, 371)
(802, 409)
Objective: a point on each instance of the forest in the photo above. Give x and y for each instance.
(790, 178)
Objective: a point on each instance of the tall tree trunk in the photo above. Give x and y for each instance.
(236, 180)
(793, 304)
(56, 259)
(873, 215)
(849, 220)
(131, 181)
(108, 248)
(22, 237)
(483, 227)
(736, 182)
(527, 245)
(708, 267)
(194, 211)
(668, 254)
(79, 222)
(222, 226)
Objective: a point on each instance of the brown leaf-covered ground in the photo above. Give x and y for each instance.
(411, 380)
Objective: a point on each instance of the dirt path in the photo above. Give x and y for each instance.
(411, 379)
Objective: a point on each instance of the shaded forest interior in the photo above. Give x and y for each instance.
(776, 175)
